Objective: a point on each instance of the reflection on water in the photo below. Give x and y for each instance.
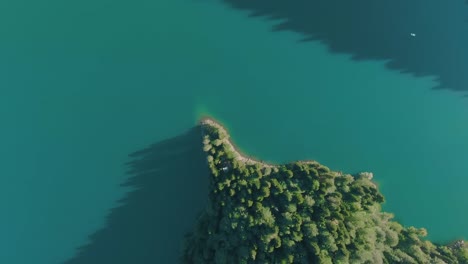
(170, 181)
(382, 30)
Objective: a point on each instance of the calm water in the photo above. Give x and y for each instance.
(84, 84)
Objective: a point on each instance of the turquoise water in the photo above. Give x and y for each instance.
(85, 84)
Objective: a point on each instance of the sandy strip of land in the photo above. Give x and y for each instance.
(239, 156)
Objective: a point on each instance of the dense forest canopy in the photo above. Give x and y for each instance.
(300, 212)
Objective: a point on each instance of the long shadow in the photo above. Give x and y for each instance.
(171, 187)
(381, 30)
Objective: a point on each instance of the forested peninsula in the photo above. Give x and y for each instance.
(300, 212)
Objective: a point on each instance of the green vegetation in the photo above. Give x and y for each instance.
(300, 212)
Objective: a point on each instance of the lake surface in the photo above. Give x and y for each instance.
(84, 84)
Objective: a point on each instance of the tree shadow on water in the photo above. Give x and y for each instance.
(381, 30)
(170, 181)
